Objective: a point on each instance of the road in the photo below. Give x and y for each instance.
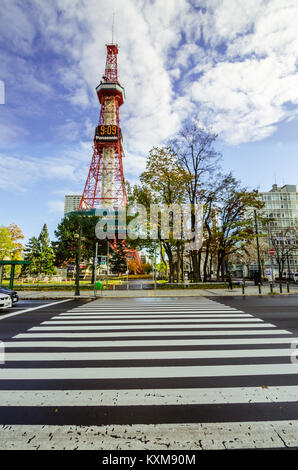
(150, 373)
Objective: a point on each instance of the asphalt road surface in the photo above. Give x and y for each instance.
(150, 373)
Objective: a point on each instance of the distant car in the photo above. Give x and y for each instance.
(12, 293)
(295, 277)
(5, 301)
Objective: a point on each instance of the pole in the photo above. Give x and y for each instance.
(95, 266)
(155, 267)
(77, 292)
(258, 248)
(288, 276)
(272, 272)
(12, 269)
(107, 264)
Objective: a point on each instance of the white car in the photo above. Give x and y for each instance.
(5, 301)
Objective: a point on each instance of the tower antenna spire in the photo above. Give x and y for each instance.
(113, 27)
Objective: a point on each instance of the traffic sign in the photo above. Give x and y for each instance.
(271, 252)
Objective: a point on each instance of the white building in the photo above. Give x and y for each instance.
(71, 202)
(281, 204)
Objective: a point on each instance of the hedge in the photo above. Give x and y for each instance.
(193, 286)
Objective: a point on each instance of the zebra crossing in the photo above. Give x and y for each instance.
(164, 374)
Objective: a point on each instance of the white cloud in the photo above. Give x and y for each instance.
(245, 93)
(244, 55)
(21, 173)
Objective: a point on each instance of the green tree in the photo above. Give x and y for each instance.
(67, 233)
(147, 268)
(235, 227)
(41, 254)
(46, 253)
(10, 245)
(163, 182)
(118, 258)
(6, 243)
(197, 156)
(31, 253)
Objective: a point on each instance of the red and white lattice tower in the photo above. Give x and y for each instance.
(105, 186)
(105, 182)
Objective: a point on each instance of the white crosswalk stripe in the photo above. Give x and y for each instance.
(161, 363)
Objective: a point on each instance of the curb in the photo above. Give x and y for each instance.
(203, 293)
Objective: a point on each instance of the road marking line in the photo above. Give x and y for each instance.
(79, 316)
(165, 321)
(148, 397)
(125, 355)
(93, 373)
(107, 325)
(196, 436)
(141, 309)
(156, 326)
(144, 343)
(39, 334)
(2, 317)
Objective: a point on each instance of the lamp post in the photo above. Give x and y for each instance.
(78, 260)
(154, 266)
(258, 248)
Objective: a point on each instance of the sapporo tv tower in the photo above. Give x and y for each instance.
(105, 181)
(105, 187)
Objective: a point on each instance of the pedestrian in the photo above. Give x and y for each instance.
(230, 280)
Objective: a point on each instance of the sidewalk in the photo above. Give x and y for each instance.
(250, 290)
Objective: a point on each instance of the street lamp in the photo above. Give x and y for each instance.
(78, 261)
(258, 248)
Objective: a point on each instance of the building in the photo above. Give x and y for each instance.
(71, 202)
(281, 204)
(280, 234)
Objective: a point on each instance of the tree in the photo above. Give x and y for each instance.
(164, 182)
(6, 243)
(247, 254)
(118, 258)
(16, 235)
(31, 253)
(209, 197)
(40, 252)
(10, 245)
(133, 266)
(147, 268)
(198, 158)
(46, 253)
(67, 244)
(284, 242)
(235, 226)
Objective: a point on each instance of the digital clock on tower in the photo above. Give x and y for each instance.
(107, 131)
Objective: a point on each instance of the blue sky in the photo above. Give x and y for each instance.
(228, 64)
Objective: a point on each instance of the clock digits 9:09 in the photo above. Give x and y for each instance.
(110, 130)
